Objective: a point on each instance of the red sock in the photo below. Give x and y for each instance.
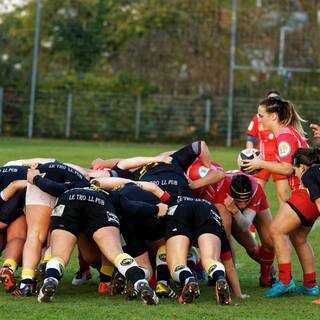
(309, 280)
(266, 260)
(284, 272)
(252, 228)
(82, 263)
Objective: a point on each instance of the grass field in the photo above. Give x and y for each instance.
(85, 303)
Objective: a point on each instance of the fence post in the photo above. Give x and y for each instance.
(34, 68)
(231, 71)
(1, 109)
(138, 116)
(207, 115)
(69, 114)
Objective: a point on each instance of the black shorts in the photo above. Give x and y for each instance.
(83, 210)
(194, 218)
(136, 233)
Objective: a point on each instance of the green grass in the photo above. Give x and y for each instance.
(85, 303)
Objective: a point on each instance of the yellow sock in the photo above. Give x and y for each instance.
(46, 258)
(10, 263)
(27, 274)
(107, 270)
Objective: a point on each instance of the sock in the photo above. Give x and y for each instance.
(147, 274)
(105, 273)
(285, 272)
(11, 264)
(54, 269)
(309, 280)
(215, 269)
(27, 276)
(163, 274)
(266, 261)
(181, 273)
(46, 258)
(128, 267)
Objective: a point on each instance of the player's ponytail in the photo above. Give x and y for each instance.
(287, 114)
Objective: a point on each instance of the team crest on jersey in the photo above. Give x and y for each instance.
(203, 171)
(284, 149)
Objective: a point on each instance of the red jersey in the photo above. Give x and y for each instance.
(288, 141)
(266, 139)
(258, 201)
(196, 171)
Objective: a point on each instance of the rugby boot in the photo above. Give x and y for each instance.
(223, 296)
(190, 292)
(81, 277)
(24, 290)
(118, 282)
(129, 291)
(271, 279)
(40, 274)
(104, 287)
(47, 291)
(279, 289)
(148, 296)
(314, 291)
(7, 279)
(164, 291)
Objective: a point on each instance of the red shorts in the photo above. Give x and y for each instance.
(301, 203)
(265, 175)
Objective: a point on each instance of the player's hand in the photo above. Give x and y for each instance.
(164, 158)
(163, 208)
(98, 164)
(31, 174)
(230, 205)
(251, 165)
(316, 130)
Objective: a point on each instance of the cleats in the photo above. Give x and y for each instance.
(7, 279)
(47, 291)
(314, 291)
(26, 290)
(279, 289)
(40, 274)
(81, 277)
(118, 283)
(129, 291)
(148, 296)
(223, 296)
(190, 292)
(104, 287)
(164, 291)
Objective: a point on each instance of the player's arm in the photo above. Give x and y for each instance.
(99, 164)
(233, 278)
(110, 182)
(283, 168)
(211, 178)
(51, 187)
(12, 189)
(29, 162)
(137, 162)
(244, 219)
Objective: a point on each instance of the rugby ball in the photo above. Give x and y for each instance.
(249, 154)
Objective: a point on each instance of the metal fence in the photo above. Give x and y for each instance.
(115, 116)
